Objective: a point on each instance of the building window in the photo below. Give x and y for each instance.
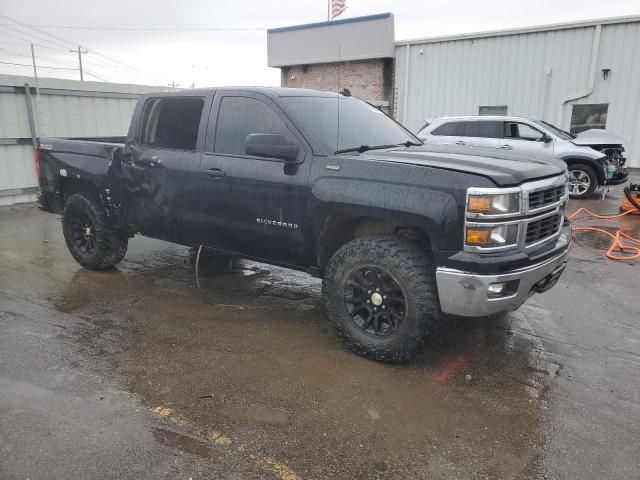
(492, 110)
(585, 117)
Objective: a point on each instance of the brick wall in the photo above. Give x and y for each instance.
(371, 79)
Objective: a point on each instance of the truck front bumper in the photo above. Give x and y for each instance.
(469, 295)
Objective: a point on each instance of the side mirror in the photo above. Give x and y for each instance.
(546, 138)
(271, 145)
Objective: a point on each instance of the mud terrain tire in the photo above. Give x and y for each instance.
(91, 240)
(397, 268)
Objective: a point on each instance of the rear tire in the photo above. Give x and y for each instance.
(582, 180)
(91, 240)
(381, 297)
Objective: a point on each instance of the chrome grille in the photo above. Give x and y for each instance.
(548, 196)
(545, 227)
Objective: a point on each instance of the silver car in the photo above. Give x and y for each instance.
(594, 158)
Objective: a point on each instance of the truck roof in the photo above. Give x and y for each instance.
(269, 91)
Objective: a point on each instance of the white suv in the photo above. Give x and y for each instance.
(594, 158)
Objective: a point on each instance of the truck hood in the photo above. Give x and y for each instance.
(596, 136)
(504, 169)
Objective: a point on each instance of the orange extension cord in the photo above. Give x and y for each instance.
(633, 251)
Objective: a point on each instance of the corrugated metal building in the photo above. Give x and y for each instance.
(61, 108)
(576, 75)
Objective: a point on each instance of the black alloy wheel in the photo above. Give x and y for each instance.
(381, 296)
(83, 233)
(92, 240)
(374, 300)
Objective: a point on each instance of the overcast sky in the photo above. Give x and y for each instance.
(209, 58)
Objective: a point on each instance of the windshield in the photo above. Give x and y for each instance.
(360, 123)
(555, 130)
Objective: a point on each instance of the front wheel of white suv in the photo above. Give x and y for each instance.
(582, 180)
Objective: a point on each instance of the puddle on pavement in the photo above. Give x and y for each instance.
(250, 355)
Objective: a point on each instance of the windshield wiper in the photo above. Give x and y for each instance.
(366, 148)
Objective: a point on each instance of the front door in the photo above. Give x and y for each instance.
(522, 138)
(162, 167)
(254, 206)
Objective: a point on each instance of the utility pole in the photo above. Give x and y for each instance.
(35, 76)
(33, 61)
(173, 84)
(80, 52)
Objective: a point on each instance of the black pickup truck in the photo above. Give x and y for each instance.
(323, 182)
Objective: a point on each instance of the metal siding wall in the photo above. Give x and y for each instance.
(96, 109)
(455, 77)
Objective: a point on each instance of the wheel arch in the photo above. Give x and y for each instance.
(589, 162)
(337, 229)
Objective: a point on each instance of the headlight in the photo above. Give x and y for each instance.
(493, 204)
(494, 236)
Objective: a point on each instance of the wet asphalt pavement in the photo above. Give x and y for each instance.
(137, 373)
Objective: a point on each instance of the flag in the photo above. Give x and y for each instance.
(337, 7)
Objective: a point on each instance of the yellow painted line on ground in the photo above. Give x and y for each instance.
(278, 468)
(162, 410)
(282, 470)
(219, 439)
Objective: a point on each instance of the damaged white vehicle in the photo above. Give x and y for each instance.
(595, 158)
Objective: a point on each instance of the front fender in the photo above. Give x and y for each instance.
(595, 163)
(431, 199)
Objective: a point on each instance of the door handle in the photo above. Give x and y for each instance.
(460, 142)
(214, 172)
(144, 163)
(506, 147)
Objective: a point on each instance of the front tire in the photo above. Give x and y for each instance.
(91, 240)
(381, 297)
(582, 180)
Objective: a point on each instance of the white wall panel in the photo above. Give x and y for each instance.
(529, 71)
(65, 108)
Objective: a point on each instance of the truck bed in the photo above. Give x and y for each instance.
(81, 160)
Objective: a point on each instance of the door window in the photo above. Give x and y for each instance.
(241, 116)
(522, 131)
(171, 122)
(446, 130)
(481, 129)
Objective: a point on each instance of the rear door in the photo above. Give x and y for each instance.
(162, 165)
(524, 138)
(257, 206)
(480, 133)
(445, 134)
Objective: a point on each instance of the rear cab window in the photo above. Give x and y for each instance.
(171, 122)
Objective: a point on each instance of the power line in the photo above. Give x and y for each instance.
(68, 41)
(28, 42)
(39, 66)
(149, 29)
(40, 38)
